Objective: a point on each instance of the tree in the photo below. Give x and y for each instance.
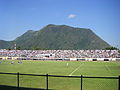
(38, 48)
(111, 48)
(9, 48)
(18, 48)
(119, 51)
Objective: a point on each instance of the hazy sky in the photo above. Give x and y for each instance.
(102, 16)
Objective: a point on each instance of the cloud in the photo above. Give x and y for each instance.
(71, 16)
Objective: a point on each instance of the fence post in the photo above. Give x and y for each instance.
(118, 82)
(46, 81)
(81, 82)
(18, 80)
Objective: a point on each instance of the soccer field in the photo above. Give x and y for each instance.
(67, 68)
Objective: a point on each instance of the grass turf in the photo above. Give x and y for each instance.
(61, 68)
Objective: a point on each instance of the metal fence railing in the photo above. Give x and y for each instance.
(48, 76)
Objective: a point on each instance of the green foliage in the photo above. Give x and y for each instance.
(18, 48)
(60, 37)
(38, 48)
(111, 48)
(4, 44)
(119, 51)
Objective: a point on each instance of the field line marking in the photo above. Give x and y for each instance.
(108, 68)
(75, 70)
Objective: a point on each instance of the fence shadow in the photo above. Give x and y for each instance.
(5, 87)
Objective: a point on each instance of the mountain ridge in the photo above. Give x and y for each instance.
(59, 37)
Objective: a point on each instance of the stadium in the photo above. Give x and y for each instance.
(60, 69)
(59, 45)
(74, 55)
(54, 64)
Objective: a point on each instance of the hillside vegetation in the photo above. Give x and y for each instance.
(59, 37)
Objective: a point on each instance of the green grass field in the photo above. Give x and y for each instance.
(73, 68)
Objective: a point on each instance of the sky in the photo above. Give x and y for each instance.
(101, 16)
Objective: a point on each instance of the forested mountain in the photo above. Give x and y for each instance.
(58, 37)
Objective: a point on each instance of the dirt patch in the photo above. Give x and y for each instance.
(117, 66)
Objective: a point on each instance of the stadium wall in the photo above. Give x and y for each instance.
(63, 59)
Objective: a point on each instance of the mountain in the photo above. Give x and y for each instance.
(59, 37)
(5, 44)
